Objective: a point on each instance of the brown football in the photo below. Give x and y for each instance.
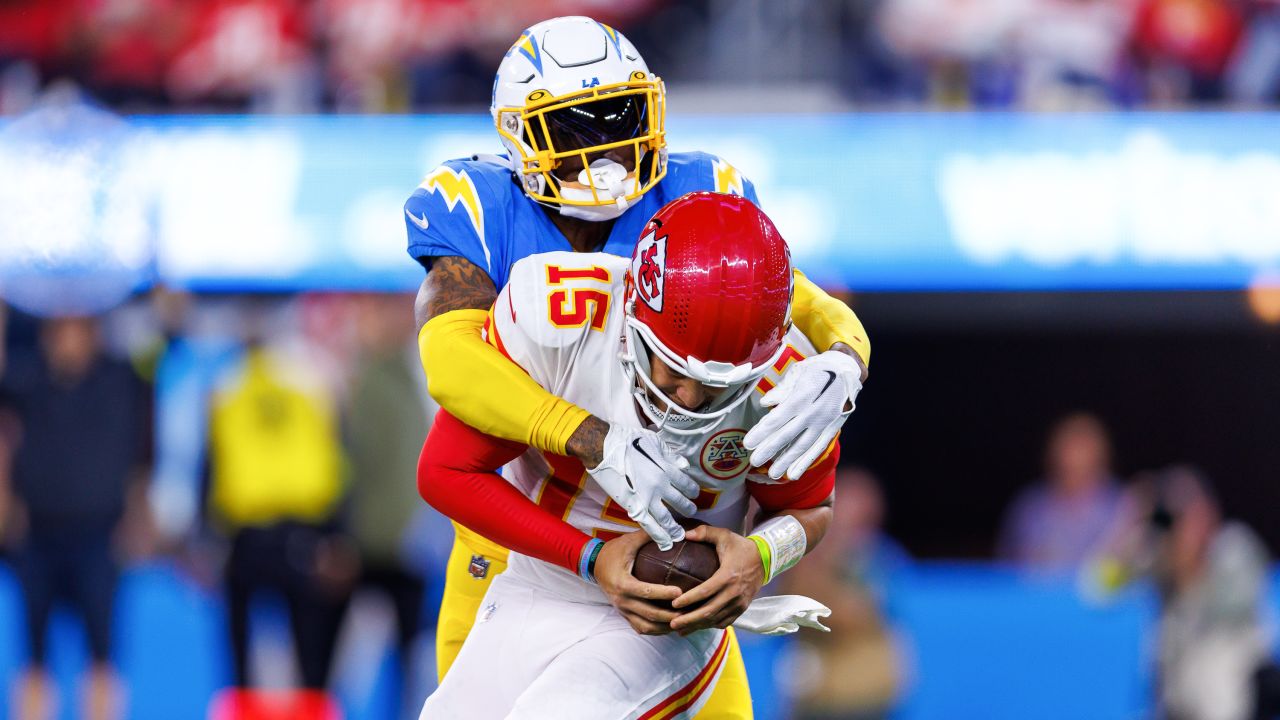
(686, 565)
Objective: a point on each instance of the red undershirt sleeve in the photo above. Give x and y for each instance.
(457, 475)
(810, 490)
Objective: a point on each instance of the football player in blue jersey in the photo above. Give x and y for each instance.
(582, 120)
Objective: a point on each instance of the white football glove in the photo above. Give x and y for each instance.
(810, 405)
(641, 474)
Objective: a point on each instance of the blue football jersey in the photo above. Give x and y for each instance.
(472, 208)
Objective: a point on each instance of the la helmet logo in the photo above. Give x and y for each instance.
(650, 269)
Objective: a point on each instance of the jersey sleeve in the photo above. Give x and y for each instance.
(457, 476)
(553, 307)
(809, 490)
(455, 211)
(825, 320)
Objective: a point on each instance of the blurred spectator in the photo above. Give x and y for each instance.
(1071, 53)
(197, 340)
(1211, 575)
(1184, 46)
(1039, 54)
(33, 43)
(120, 48)
(387, 417)
(275, 484)
(964, 45)
(81, 446)
(246, 55)
(36, 31)
(859, 671)
(1254, 75)
(1057, 523)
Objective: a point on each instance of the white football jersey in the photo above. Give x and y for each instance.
(560, 317)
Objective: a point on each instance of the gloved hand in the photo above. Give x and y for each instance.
(810, 405)
(640, 473)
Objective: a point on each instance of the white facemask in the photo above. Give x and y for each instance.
(610, 181)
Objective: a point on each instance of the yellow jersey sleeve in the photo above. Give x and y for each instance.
(476, 383)
(827, 321)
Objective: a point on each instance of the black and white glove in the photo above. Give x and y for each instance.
(643, 476)
(810, 404)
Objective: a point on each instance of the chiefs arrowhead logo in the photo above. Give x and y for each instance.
(649, 268)
(724, 457)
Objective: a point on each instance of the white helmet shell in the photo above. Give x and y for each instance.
(563, 55)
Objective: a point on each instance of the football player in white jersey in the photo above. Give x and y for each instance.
(582, 119)
(684, 339)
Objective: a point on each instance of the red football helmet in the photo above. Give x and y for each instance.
(709, 292)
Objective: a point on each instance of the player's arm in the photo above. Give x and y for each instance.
(456, 231)
(816, 395)
(829, 324)
(481, 385)
(474, 382)
(794, 517)
(457, 475)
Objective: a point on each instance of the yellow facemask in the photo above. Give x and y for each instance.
(562, 167)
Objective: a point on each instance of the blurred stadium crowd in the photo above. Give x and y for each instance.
(260, 444)
(403, 55)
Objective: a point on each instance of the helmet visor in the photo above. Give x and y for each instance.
(607, 120)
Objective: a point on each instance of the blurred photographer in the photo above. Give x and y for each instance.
(1212, 656)
(1057, 523)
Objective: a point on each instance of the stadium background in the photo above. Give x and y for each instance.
(1036, 206)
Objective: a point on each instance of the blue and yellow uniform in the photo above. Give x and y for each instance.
(472, 208)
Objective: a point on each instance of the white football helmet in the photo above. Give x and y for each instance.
(581, 117)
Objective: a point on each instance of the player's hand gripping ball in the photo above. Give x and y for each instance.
(686, 565)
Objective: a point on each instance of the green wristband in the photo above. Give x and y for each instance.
(766, 554)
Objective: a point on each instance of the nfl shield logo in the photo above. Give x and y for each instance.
(479, 567)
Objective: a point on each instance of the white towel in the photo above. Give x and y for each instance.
(783, 615)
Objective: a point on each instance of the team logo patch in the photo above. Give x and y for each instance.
(649, 268)
(728, 179)
(479, 567)
(723, 455)
(456, 187)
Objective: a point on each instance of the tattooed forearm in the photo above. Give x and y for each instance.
(587, 442)
(454, 283)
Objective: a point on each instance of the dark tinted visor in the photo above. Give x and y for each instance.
(599, 122)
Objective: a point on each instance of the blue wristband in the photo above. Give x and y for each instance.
(587, 562)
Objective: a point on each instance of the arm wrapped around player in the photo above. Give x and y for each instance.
(457, 476)
(817, 394)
